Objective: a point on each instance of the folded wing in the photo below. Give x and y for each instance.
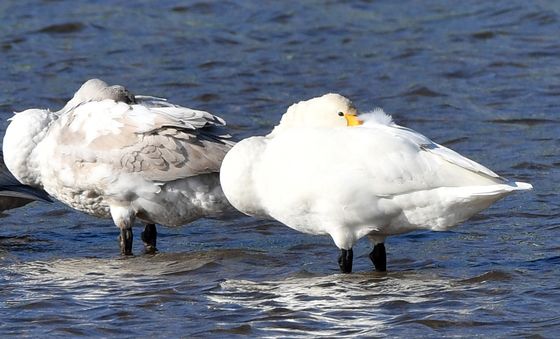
(155, 139)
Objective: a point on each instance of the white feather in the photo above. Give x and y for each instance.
(377, 116)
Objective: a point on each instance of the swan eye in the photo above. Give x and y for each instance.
(340, 114)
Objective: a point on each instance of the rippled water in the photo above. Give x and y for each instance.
(479, 76)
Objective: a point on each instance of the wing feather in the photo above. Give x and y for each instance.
(449, 155)
(160, 141)
(379, 119)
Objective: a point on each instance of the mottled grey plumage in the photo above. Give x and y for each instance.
(160, 140)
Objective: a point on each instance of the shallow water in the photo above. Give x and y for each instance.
(477, 76)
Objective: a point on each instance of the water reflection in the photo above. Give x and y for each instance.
(360, 304)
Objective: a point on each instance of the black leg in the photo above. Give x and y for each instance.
(125, 240)
(149, 237)
(345, 260)
(379, 257)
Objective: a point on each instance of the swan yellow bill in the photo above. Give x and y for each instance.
(352, 120)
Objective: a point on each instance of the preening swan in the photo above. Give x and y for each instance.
(110, 153)
(326, 170)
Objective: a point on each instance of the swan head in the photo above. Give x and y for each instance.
(98, 90)
(329, 110)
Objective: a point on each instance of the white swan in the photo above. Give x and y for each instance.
(323, 170)
(112, 154)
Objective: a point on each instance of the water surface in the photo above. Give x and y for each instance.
(480, 77)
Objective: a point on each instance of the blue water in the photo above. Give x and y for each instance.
(481, 77)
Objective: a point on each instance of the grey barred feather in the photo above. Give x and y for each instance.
(159, 140)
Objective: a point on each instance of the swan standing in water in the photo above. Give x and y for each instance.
(324, 170)
(112, 154)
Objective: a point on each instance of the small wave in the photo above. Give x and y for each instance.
(488, 276)
(532, 165)
(201, 8)
(422, 91)
(70, 27)
(344, 305)
(483, 35)
(524, 121)
(499, 64)
(437, 324)
(206, 97)
(211, 64)
(448, 143)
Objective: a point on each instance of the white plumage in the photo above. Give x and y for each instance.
(112, 154)
(318, 173)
